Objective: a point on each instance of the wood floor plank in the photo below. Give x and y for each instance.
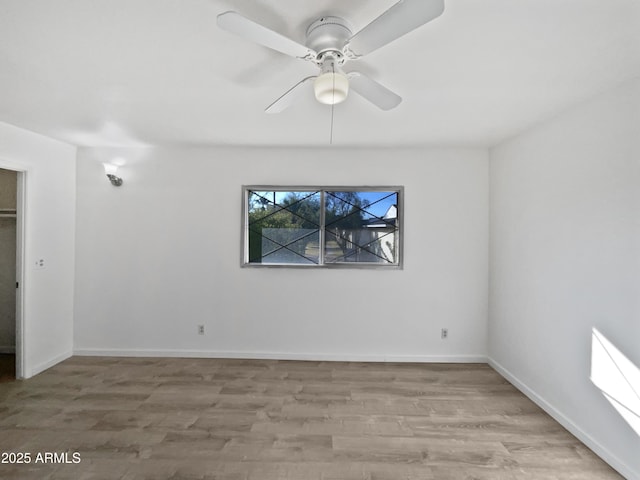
(231, 419)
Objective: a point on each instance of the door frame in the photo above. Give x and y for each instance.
(20, 244)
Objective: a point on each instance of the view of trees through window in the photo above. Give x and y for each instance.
(323, 226)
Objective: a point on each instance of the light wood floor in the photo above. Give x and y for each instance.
(238, 419)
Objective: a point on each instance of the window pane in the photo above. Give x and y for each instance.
(361, 227)
(283, 227)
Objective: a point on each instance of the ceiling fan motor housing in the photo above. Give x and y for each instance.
(328, 34)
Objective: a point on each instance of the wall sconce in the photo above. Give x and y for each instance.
(110, 169)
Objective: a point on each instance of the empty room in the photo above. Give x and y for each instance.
(365, 240)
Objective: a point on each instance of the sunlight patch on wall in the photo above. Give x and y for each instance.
(617, 377)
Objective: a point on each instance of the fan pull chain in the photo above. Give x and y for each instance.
(333, 102)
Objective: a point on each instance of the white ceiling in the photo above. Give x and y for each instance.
(160, 72)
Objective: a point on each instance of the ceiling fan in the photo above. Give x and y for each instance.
(330, 43)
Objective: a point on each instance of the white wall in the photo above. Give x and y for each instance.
(161, 254)
(565, 257)
(49, 207)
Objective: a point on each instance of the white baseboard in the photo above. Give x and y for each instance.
(7, 349)
(41, 367)
(563, 420)
(108, 352)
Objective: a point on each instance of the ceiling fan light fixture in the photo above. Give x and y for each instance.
(331, 88)
(330, 43)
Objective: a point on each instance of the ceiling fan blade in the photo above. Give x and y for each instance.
(377, 94)
(400, 19)
(288, 98)
(235, 23)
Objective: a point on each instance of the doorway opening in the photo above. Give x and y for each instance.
(10, 269)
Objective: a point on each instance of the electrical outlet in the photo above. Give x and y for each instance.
(39, 263)
(444, 333)
(200, 329)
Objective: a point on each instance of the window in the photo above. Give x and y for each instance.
(314, 226)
